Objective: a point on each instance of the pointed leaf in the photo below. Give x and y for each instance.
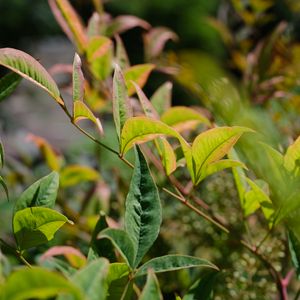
(124, 23)
(122, 242)
(181, 118)
(78, 79)
(139, 74)
(173, 262)
(143, 214)
(33, 226)
(203, 288)
(156, 39)
(81, 112)
(29, 68)
(102, 247)
(162, 98)
(121, 54)
(3, 184)
(37, 283)
(151, 290)
(74, 174)
(94, 25)
(167, 154)
(214, 144)
(70, 22)
(219, 166)
(99, 55)
(41, 193)
(8, 83)
(264, 201)
(91, 280)
(294, 247)
(121, 105)
(117, 279)
(292, 156)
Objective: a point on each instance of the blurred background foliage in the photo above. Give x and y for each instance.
(254, 43)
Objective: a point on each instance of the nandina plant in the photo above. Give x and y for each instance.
(181, 143)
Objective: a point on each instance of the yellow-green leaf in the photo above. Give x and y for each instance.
(219, 166)
(33, 226)
(139, 74)
(214, 144)
(99, 55)
(29, 68)
(81, 111)
(167, 154)
(74, 174)
(182, 117)
(292, 156)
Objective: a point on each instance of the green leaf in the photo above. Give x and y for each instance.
(181, 118)
(292, 156)
(74, 174)
(162, 98)
(214, 144)
(29, 68)
(70, 22)
(99, 55)
(202, 289)
(81, 112)
(139, 74)
(41, 193)
(121, 105)
(219, 166)
(264, 201)
(37, 283)
(122, 242)
(173, 262)
(151, 290)
(294, 247)
(91, 280)
(78, 79)
(143, 214)
(3, 184)
(102, 247)
(116, 280)
(8, 84)
(33, 226)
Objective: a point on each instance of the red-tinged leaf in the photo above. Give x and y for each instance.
(139, 74)
(156, 39)
(123, 23)
(81, 112)
(93, 28)
(99, 55)
(121, 105)
(70, 22)
(121, 54)
(78, 79)
(73, 255)
(29, 68)
(148, 108)
(53, 160)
